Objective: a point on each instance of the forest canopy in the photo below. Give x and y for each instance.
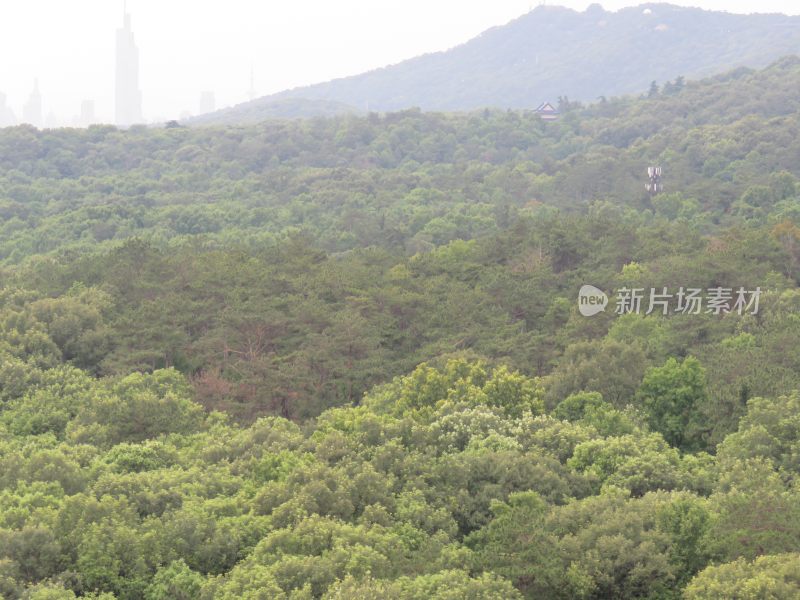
(343, 357)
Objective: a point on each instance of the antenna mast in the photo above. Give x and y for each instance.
(654, 186)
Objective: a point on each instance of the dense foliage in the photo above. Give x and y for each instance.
(343, 358)
(406, 181)
(450, 482)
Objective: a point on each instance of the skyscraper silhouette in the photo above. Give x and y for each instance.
(208, 103)
(86, 117)
(7, 117)
(252, 92)
(32, 111)
(128, 95)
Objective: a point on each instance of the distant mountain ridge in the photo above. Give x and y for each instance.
(555, 51)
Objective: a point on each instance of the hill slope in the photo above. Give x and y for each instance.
(554, 51)
(292, 277)
(273, 108)
(401, 180)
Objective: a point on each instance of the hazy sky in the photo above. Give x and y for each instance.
(187, 46)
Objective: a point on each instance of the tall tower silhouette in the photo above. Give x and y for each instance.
(128, 96)
(32, 111)
(251, 93)
(7, 117)
(208, 103)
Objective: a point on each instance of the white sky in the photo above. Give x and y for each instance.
(187, 46)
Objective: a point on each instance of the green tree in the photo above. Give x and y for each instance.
(516, 546)
(672, 396)
(775, 577)
(176, 581)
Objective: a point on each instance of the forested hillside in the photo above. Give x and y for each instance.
(554, 52)
(273, 108)
(343, 357)
(405, 181)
